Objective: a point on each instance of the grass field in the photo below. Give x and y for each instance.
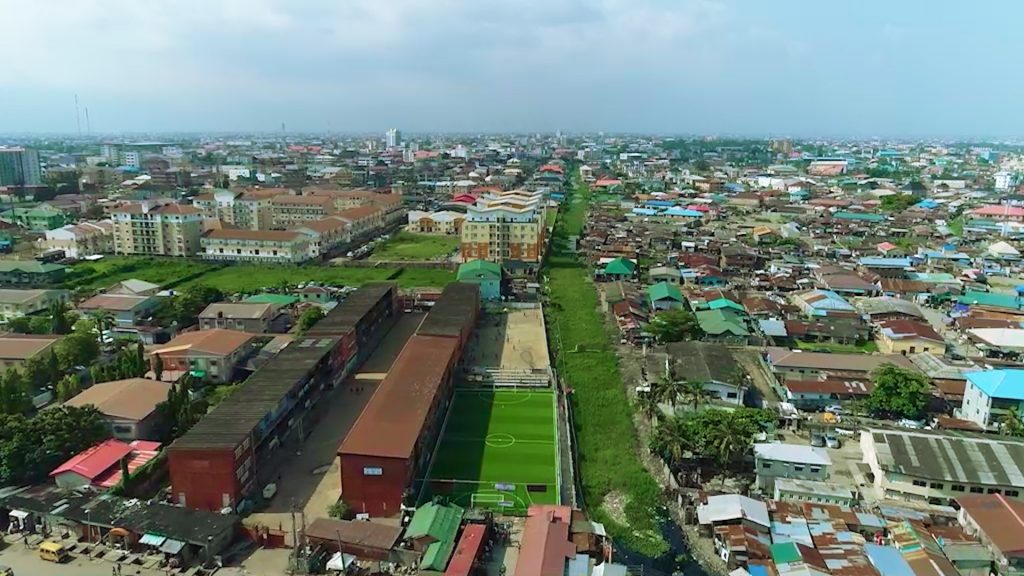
(863, 348)
(500, 446)
(113, 269)
(409, 246)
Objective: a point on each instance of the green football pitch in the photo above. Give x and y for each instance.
(498, 451)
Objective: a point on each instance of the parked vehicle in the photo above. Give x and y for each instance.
(835, 409)
(54, 552)
(832, 441)
(818, 440)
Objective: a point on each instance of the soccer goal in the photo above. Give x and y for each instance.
(490, 500)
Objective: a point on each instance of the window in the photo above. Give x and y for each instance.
(815, 469)
(798, 467)
(921, 483)
(766, 465)
(731, 395)
(1012, 493)
(976, 490)
(937, 485)
(994, 490)
(957, 488)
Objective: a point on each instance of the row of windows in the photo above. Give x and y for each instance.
(796, 467)
(963, 488)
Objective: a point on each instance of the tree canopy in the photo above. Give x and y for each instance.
(674, 326)
(722, 436)
(31, 447)
(898, 393)
(311, 316)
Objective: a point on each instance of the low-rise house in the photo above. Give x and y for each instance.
(40, 218)
(809, 365)
(885, 308)
(723, 325)
(100, 466)
(817, 393)
(134, 288)
(432, 532)
(15, 349)
(278, 246)
(126, 309)
(669, 274)
(210, 355)
(82, 239)
(734, 509)
(713, 365)
(664, 296)
(792, 490)
(795, 461)
(936, 468)
(821, 302)
(620, 269)
(29, 273)
(128, 405)
(16, 303)
(252, 317)
(998, 342)
(990, 395)
(998, 522)
(908, 337)
(485, 274)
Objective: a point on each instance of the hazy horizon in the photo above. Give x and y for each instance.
(871, 69)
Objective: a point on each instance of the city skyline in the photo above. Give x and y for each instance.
(697, 67)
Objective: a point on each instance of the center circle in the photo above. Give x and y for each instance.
(500, 440)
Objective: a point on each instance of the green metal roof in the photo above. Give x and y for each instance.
(276, 299)
(30, 266)
(720, 303)
(722, 321)
(785, 553)
(439, 522)
(859, 216)
(620, 266)
(994, 299)
(479, 270)
(663, 291)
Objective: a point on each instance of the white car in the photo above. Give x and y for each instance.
(835, 409)
(832, 441)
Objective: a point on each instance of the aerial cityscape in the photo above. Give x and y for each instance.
(467, 289)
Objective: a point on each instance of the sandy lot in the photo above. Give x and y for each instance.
(511, 341)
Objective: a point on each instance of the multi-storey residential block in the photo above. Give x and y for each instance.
(284, 246)
(82, 239)
(19, 167)
(291, 211)
(251, 210)
(168, 230)
(505, 227)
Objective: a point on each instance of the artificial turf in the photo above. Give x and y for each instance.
(500, 445)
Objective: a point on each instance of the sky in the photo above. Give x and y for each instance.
(842, 68)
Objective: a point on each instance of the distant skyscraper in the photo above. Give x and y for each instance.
(19, 167)
(393, 138)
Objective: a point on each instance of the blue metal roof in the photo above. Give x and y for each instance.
(645, 211)
(1006, 384)
(677, 211)
(888, 561)
(873, 262)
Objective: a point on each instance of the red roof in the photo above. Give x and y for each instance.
(142, 452)
(93, 462)
(464, 199)
(607, 182)
(466, 553)
(545, 545)
(551, 168)
(1004, 210)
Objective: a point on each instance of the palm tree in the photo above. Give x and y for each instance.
(648, 404)
(694, 392)
(727, 446)
(104, 320)
(1013, 424)
(668, 390)
(671, 440)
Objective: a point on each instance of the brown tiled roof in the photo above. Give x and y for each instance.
(24, 346)
(114, 302)
(176, 209)
(843, 386)
(1000, 518)
(132, 399)
(216, 342)
(911, 329)
(329, 224)
(840, 362)
(303, 200)
(359, 212)
(258, 235)
(240, 310)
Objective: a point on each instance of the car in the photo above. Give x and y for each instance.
(818, 440)
(835, 409)
(912, 424)
(832, 441)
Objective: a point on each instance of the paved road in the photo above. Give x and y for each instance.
(26, 562)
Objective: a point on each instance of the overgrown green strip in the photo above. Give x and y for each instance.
(606, 439)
